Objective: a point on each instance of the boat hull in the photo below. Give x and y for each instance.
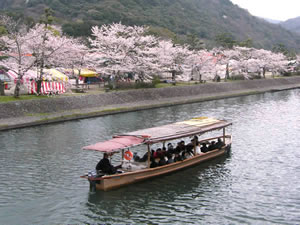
(106, 183)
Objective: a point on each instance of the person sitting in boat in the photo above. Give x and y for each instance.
(162, 161)
(136, 158)
(164, 151)
(170, 148)
(198, 149)
(152, 155)
(105, 166)
(144, 158)
(188, 154)
(165, 154)
(177, 157)
(204, 148)
(212, 146)
(139, 159)
(219, 144)
(170, 158)
(190, 148)
(177, 149)
(195, 141)
(153, 163)
(180, 147)
(157, 153)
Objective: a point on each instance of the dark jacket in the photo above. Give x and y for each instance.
(204, 149)
(177, 158)
(105, 166)
(220, 144)
(162, 161)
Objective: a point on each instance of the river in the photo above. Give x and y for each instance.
(258, 184)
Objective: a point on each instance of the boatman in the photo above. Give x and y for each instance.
(105, 166)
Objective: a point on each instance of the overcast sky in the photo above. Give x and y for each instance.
(271, 9)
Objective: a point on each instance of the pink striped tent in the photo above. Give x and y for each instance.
(47, 87)
(12, 75)
(29, 75)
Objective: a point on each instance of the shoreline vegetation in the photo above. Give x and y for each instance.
(122, 86)
(39, 111)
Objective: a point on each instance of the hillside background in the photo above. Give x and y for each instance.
(204, 19)
(292, 24)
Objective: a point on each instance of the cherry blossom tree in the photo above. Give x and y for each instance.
(123, 48)
(170, 58)
(268, 60)
(204, 64)
(15, 48)
(25, 48)
(278, 63)
(49, 48)
(230, 58)
(73, 54)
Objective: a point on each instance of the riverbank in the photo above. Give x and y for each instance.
(52, 110)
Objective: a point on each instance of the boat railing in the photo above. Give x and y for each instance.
(214, 138)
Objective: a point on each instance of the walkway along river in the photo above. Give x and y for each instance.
(258, 184)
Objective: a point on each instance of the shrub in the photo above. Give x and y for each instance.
(155, 80)
(237, 77)
(256, 76)
(144, 85)
(110, 86)
(287, 74)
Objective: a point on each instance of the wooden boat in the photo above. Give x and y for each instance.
(152, 136)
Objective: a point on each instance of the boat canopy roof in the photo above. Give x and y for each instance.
(115, 144)
(195, 126)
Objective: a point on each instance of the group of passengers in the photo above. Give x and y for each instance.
(163, 156)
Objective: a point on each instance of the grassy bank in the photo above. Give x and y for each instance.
(21, 98)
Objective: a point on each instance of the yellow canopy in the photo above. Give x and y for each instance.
(84, 72)
(57, 75)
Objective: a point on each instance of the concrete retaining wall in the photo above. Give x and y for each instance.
(51, 105)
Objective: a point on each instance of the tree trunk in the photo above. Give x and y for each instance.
(200, 77)
(2, 87)
(264, 72)
(77, 82)
(173, 77)
(227, 72)
(217, 78)
(39, 85)
(77, 78)
(40, 79)
(17, 89)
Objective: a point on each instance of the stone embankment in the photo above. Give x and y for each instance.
(35, 112)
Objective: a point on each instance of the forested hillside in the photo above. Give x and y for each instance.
(205, 19)
(292, 24)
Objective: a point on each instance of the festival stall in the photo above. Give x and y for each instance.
(83, 72)
(53, 74)
(47, 87)
(84, 75)
(54, 82)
